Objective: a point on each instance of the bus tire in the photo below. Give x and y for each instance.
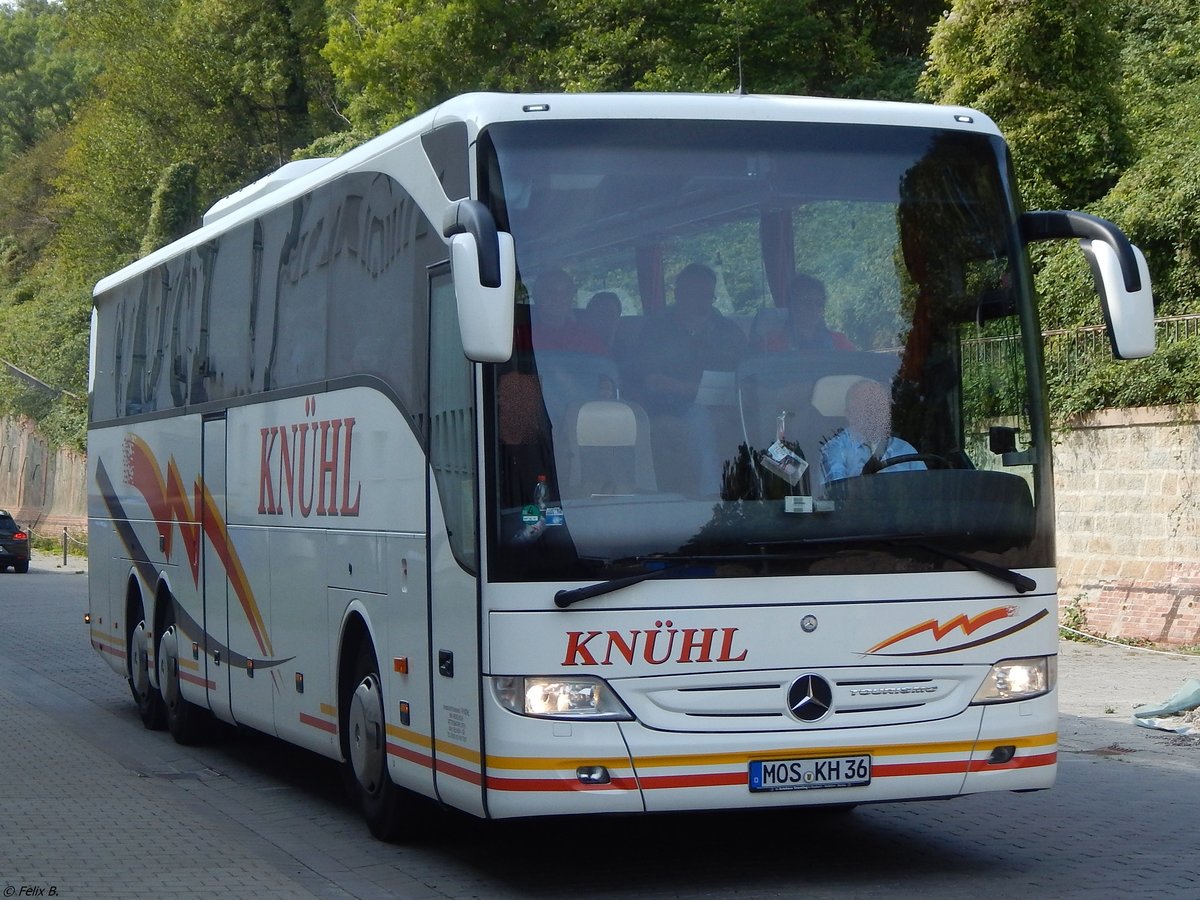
(386, 807)
(187, 722)
(145, 695)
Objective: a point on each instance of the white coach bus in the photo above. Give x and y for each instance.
(372, 469)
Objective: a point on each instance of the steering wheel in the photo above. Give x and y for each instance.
(931, 460)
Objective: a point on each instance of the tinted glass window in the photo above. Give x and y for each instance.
(759, 345)
(333, 284)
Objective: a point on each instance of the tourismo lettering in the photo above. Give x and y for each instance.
(658, 645)
(301, 464)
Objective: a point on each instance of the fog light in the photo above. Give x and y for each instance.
(1000, 755)
(592, 775)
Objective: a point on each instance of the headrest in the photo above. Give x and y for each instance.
(606, 423)
(829, 393)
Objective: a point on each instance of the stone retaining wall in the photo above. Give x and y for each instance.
(1127, 486)
(44, 489)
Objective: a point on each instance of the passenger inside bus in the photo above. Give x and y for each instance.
(553, 323)
(802, 325)
(601, 315)
(866, 444)
(676, 351)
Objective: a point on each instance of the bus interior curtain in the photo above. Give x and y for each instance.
(779, 251)
(651, 284)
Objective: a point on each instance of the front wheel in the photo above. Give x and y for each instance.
(391, 811)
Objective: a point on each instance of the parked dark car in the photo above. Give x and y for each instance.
(14, 544)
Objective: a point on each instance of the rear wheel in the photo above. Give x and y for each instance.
(392, 813)
(22, 567)
(145, 695)
(187, 722)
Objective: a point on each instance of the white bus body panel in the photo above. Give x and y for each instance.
(218, 683)
(131, 544)
(708, 689)
(458, 729)
(282, 562)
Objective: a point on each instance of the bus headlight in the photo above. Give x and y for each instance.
(1018, 679)
(580, 697)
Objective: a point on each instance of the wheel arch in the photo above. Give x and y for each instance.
(355, 633)
(163, 598)
(135, 598)
(136, 594)
(155, 616)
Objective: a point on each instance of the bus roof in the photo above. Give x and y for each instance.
(478, 110)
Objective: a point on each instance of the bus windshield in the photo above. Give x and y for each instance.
(761, 348)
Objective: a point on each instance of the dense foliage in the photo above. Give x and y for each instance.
(121, 120)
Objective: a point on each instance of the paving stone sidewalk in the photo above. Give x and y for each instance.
(91, 806)
(1099, 686)
(74, 822)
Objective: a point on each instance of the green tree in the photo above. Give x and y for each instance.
(1156, 201)
(41, 78)
(1045, 71)
(42, 82)
(1157, 198)
(175, 210)
(391, 61)
(237, 85)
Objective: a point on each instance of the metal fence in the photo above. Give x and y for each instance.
(1069, 348)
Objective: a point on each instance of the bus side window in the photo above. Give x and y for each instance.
(452, 420)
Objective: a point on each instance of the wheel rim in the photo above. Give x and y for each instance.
(168, 667)
(366, 734)
(139, 663)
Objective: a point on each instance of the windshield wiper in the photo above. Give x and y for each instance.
(1022, 583)
(565, 598)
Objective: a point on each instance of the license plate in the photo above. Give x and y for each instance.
(806, 774)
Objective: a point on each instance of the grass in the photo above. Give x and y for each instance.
(1073, 616)
(76, 544)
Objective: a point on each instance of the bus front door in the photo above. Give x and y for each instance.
(214, 583)
(453, 568)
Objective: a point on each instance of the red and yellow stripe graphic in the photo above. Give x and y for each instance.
(167, 499)
(511, 773)
(968, 624)
(452, 760)
(189, 670)
(111, 644)
(326, 721)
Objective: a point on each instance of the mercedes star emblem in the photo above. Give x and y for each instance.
(810, 698)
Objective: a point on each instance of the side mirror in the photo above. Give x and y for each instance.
(484, 265)
(1002, 439)
(1129, 314)
(1119, 269)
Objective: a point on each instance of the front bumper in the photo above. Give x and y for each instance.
(1010, 746)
